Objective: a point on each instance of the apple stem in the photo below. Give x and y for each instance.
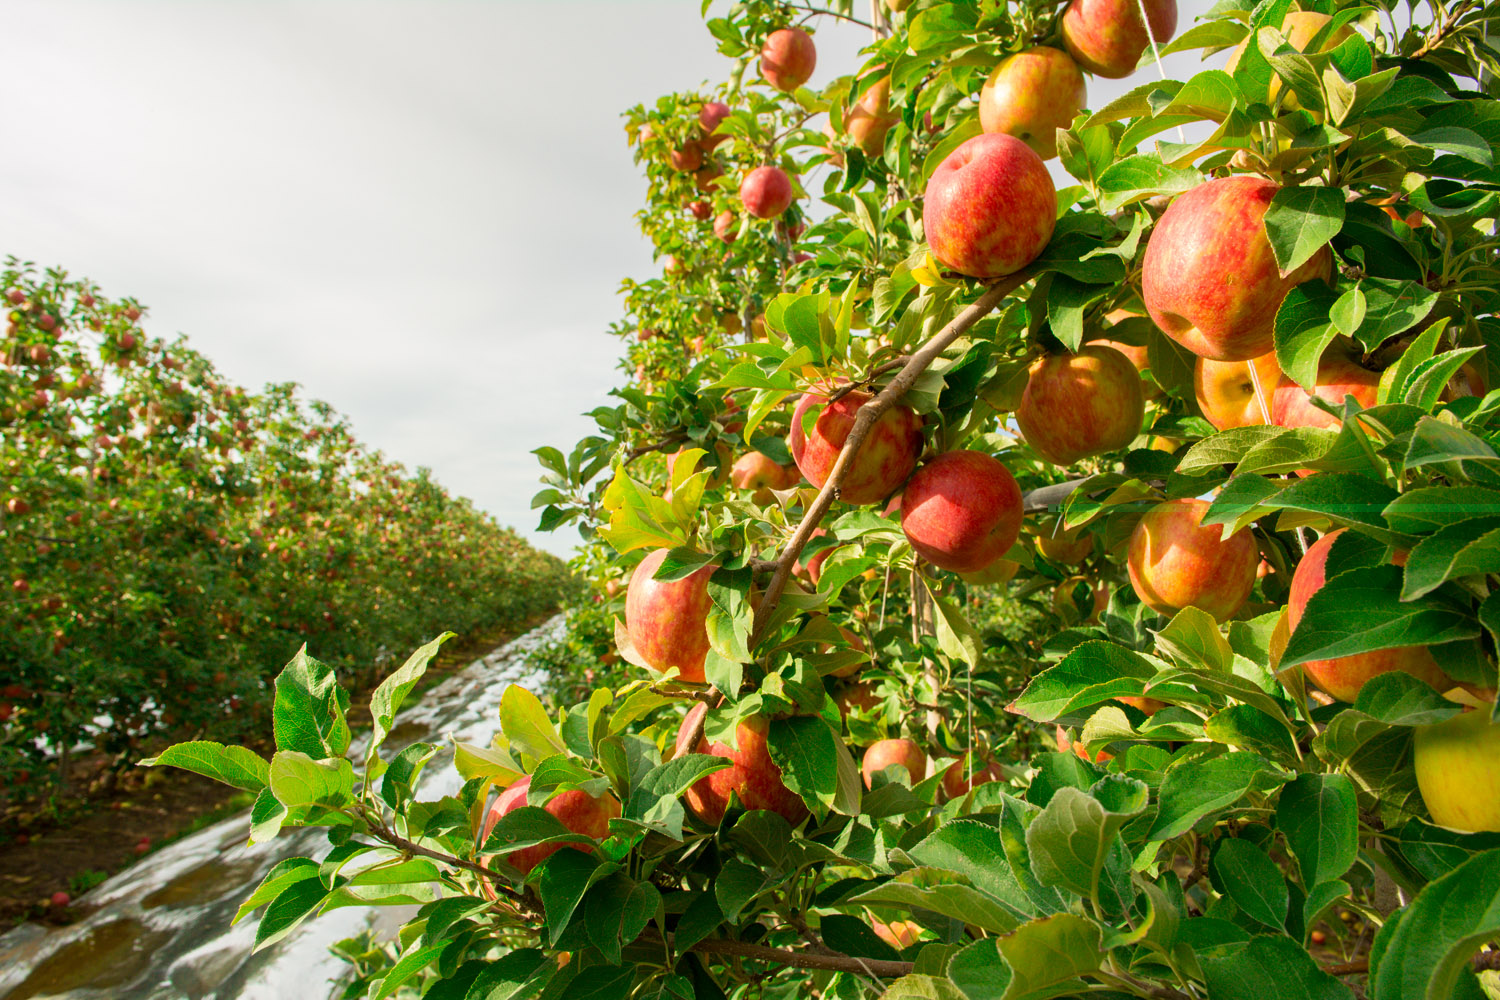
(863, 422)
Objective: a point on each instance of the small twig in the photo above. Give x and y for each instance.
(1443, 28)
(849, 387)
(675, 438)
(399, 842)
(832, 13)
(1487, 961)
(1358, 967)
(805, 959)
(863, 422)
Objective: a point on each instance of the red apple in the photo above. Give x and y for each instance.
(709, 117)
(1343, 676)
(958, 781)
(17, 506)
(813, 568)
(1210, 280)
(577, 810)
(756, 471)
(997, 572)
(666, 619)
(1226, 394)
(990, 207)
(701, 209)
(1063, 546)
(870, 119)
(857, 695)
(766, 192)
(1078, 405)
(1108, 37)
(1338, 375)
(886, 458)
(899, 934)
(961, 511)
(704, 178)
(753, 776)
(687, 158)
(1065, 744)
(725, 227)
(1031, 95)
(883, 753)
(1175, 562)
(788, 58)
(1138, 354)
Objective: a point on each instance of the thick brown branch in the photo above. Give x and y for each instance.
(868, 414)
(804, 959)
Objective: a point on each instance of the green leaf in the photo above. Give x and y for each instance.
(525, 723)
(738, 884)
(655, 800)
(1439, 931)
(281, 875)
(1245, 874)
(1392, 306)
(1399, 699)
(956, 637)
(231, 765)
(1301, 221)
(308, 712)
(386, 699)
(1136, 178)
(1094, 671)
(1049, 951)
(414, 961)
(1193, 639)
(1303, 331)
(1429, 508)
(729, 614)
(853, 936)
(946, 893)
(1071, 838)
(975, 850)
(1268, 966)
(616, 911)
(1357, 612)
(562, 881)
(806, 750)
(1456, 550)
(1193, 789)
(298, 780)
(528, 826)
(922, 988)
(1460, 142)
(292, 905)
(1319, 816)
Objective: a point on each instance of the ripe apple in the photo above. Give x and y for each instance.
(957, 781)
(1065, 605)
(1458, 771)
(576, 809)
(766, 192)
(1299, 28)
(886, 458)
(990, 207)
(852, 641)
(687, 158)
(1138, 354)
(1210, 280)
(1077, 405)
(899, 934)
(709, 117)
(1108, 37)
(1065, 744)
(1338, 375)
(1225, 390)
(999, 571)
(756, 471)
(870, 119)
(725, 227)
(1343, 676)
(705, 176)
(883, 753)
(788, 58)
(961, 511)
(753, 776)
(856, 695)
(813, 568)
(1031, 95)
(701, 209)
(17, 506)
(666, 619)
(1174, 561)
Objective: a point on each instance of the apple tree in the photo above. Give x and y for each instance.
(1035, 581)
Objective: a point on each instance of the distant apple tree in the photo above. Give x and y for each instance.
(1026, 590)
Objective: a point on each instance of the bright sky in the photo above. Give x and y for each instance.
(420, 210)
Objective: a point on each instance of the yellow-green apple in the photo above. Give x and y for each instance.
(990, 207)
(1061, 545)
(1343, 676)
(709, 117)
(1338, 375)
(577, 810)
(958, 781)
(899, 934)
(961, 511)
(1299, 27)
(666, 619)
(871, 118)
(884, 460)
(766, 192)
(897, 6)
(1175, 562)
(999, 571)
(687, 158)
(884, 753)
(1031, 95)
(1108, 37)
(756, 471)
(1226, 393)
(788, 58)
(752, 776)
(725, 227)
(1458, 771)
(1077, 405)
(1210, 280)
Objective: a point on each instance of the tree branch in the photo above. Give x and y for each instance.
(863, 422)
(496, 879)
(832, 961)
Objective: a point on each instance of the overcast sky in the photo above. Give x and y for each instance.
(420, 210)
